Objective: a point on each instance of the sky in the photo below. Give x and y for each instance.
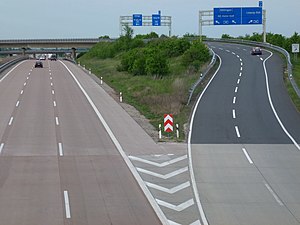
(25, 19)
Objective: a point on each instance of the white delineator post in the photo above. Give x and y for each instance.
(101, 80)
(177, 130)
(121, 97)
(159, 131)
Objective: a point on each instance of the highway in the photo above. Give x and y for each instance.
(244, 142)
(59, 163)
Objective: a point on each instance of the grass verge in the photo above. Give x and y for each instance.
(152, 97)
(290, 89)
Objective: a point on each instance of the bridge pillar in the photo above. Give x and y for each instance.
(23, 51)
(74, 53)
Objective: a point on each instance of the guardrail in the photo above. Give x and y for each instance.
(12, 62)
(265, 45)
(202, 75)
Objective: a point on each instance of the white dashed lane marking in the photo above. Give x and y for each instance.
(67, 205)
(236, 89)
(10, 121)
(247, 156)
(233, 114)
(237, 131)
(1, 147)
(234, 100)
(56, 121)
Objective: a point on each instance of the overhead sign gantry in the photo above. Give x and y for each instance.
(233, 16)
(138, 20)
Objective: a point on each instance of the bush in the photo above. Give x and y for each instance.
(196, 55)
(156, 63)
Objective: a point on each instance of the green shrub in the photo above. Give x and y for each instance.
(196, 55)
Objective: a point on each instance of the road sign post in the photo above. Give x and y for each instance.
(233, 16)
(295, 50)
(138, 20)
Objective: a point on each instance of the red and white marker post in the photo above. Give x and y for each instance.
(168, 122)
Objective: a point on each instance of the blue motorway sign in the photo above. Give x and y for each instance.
(238, 16)
(251, 15)
(156, 20)
(137, 20)
(227, 16)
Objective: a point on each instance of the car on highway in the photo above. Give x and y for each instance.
(38, 64)
(256, 51)
(43, 57)
(53, 58)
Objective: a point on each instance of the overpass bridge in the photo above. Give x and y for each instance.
(72, 45)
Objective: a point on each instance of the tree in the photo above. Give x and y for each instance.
(128, 31)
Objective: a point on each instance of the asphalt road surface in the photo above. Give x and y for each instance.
(246, 159)
(58, 164)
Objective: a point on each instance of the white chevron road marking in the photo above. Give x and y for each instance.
(166, 176)
(173, 223)
(177, 208)
(158, 164)
(197, 222)
(167, 190)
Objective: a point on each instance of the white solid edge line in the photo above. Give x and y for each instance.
(1, 147)
(247, 156)
(134, 172)
(193, 180)
(237, 131)
(233, 114)
(272, 106)
(67, 205)
(60, 149)
(10, 121)
(11, 71)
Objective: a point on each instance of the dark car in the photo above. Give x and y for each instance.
(38, 64)
(53, 57)
(256, 51)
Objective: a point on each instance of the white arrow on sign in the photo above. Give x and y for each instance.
(295, 48)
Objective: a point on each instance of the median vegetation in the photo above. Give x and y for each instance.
(153, 73)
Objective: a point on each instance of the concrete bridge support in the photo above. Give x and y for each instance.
(23, 51)
(74, 53)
